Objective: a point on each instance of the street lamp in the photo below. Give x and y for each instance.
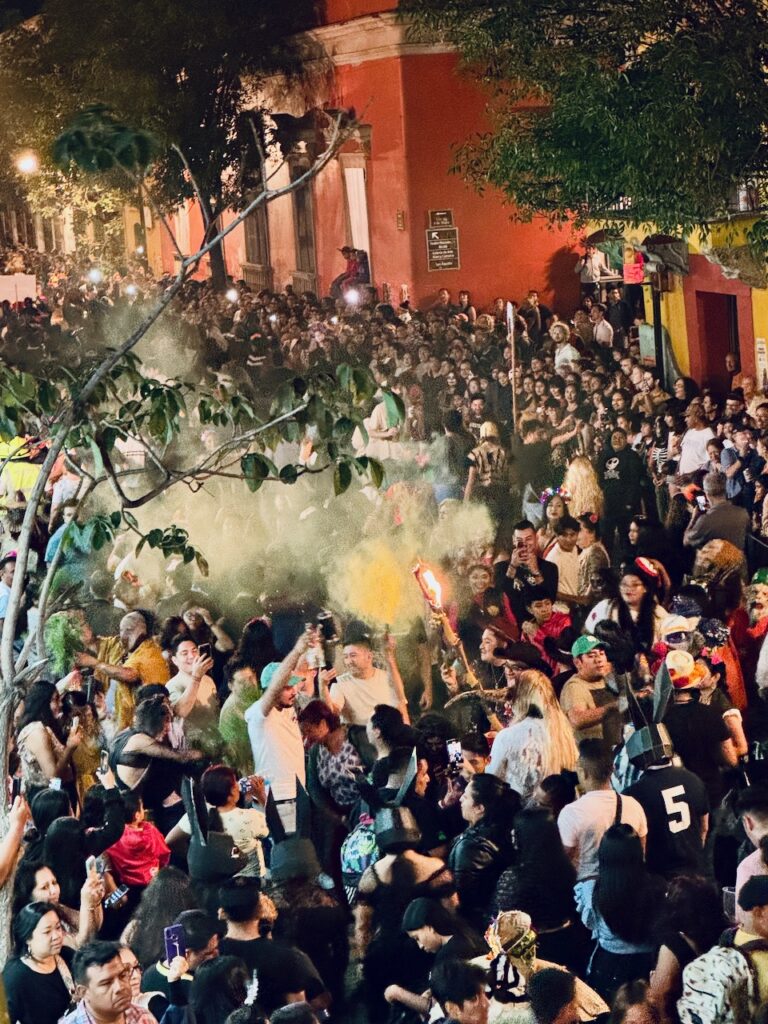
(27, 163)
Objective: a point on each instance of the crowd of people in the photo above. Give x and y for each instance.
(548, 802)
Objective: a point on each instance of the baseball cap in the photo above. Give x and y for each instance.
(754, 892)
(268, 674)
(585, 644)
(199, 928)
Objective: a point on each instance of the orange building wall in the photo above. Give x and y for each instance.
(419, 109)
(498, 256)
(374, 90)
(334, 11)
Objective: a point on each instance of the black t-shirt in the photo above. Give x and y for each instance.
(35, 998)
(697, 731)
(675, 801)
(281, 969)
(155, 979)
(518, 586)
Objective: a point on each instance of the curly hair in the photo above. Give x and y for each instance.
(582, 485)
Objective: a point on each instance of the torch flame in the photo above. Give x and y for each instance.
(436, 591)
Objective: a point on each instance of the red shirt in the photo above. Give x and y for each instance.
(139, 854)
(553, 627)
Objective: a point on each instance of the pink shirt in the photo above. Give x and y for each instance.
(751, 865)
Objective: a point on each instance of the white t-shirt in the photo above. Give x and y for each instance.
(567, 563)
(584, 823)
(246, 825)
(278, 750)
(567, 354)
(358, 697)
(693, 450)
(204, 716)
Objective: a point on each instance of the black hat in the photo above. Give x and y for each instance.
(754, 893)
(395, 829)
(199, 928)
(294, 858)
(212, 856)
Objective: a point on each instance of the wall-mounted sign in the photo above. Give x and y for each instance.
(761, 361)
(443, 249)
(441, 218)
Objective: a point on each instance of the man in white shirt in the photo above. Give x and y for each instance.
(584, 823)
(192, 693)
(273, 729)
(591, 267)
(602, 331)
(564, 554)
(356, 692)
(693, 446)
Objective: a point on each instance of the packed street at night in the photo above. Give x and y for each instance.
(383, 513)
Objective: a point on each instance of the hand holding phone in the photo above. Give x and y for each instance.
(204, 650)
(455, 756)
(175, 941)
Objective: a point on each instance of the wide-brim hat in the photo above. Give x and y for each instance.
(294, 858)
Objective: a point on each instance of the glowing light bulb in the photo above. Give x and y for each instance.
(232, 295)
(95, 276)
(353, 296)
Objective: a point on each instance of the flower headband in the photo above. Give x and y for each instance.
(550, 492)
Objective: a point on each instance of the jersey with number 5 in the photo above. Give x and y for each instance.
(675, 804)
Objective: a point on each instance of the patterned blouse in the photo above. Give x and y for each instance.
(336, 771)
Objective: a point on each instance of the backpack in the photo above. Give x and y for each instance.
(358, 852)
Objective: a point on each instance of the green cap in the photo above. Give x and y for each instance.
(585, 644)
(761, 576)
(268, 674)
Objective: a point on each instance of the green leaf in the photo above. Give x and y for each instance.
(363, 383)
(344, 374)
(98, 462)
(376, 471)
(343, 428)
(202, 564)
(395, 408)
(115, 518)
(289, 474)
(342, 477)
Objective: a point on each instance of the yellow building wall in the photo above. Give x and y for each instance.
(673, 319)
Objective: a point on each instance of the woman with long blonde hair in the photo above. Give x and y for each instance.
(583, 488)
(539, 741)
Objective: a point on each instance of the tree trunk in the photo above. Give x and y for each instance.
(6, 891)
(216, 255)
(218, 267)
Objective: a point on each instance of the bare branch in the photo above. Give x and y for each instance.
(268, 195)
(203, 205)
